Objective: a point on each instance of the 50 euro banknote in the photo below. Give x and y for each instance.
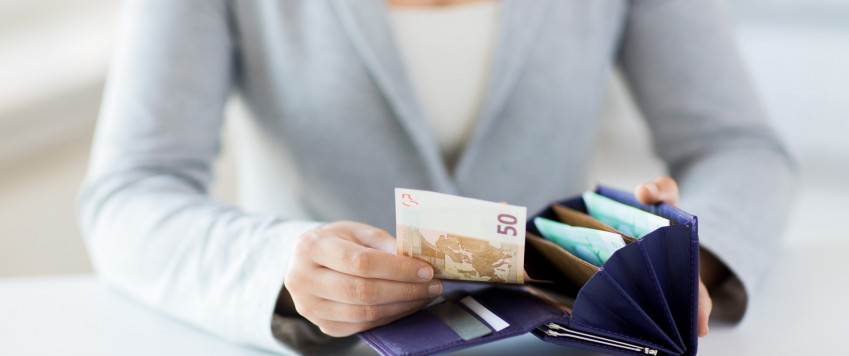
(462, 238)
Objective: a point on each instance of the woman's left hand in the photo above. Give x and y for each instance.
(664, 189)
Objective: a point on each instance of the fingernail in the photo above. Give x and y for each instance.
(426, 273)
(435, 289)
(652, 188)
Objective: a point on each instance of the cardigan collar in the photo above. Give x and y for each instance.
(369, 31)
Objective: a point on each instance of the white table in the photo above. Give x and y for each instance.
(803, 309)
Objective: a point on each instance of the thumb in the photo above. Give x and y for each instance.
(663, 189)
(705, 307)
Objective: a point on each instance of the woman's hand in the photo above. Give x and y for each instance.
(664, 189)
(345, 278)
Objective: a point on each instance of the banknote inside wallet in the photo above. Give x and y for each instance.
(545, 260)
(573, 217)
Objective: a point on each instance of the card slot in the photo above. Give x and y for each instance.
(426, 332)
(574, 217)
(518, 308)
(546, 260)
(465, 324)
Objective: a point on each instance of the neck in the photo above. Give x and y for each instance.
(429, 3)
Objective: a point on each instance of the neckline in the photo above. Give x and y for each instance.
(441, 8)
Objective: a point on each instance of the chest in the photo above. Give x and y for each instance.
(300, 60)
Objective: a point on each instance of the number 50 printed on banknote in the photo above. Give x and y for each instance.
(462, 238)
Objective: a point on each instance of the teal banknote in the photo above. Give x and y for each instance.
(624, 218)
(591, 245)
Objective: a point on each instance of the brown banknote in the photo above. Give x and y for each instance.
(463, 238)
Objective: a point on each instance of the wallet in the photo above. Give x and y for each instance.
(642, 300)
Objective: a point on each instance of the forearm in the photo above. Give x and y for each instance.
(742, 196)
(180, 252)
(682, 65)
(150, 227)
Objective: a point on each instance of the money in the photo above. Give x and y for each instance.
(462, 238)
(624, 218)
(591, 245)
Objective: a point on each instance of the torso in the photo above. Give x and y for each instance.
(448, 52)
(327, 87)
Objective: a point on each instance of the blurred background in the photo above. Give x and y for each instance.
(54, 55)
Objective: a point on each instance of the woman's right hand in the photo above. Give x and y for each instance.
(345, 278)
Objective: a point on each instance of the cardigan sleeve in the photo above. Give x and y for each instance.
(687, 78)
(151, 229)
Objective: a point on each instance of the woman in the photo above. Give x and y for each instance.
(495, 100)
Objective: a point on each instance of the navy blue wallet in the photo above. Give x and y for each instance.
(641, 301)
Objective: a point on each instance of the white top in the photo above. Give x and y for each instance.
(448, 51)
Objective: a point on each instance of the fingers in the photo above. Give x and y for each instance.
(353, 259)
(340, 312)
(345, 278)
(663, 189)
(332, 285)
(705, 307)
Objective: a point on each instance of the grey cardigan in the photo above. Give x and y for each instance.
(325, 85)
